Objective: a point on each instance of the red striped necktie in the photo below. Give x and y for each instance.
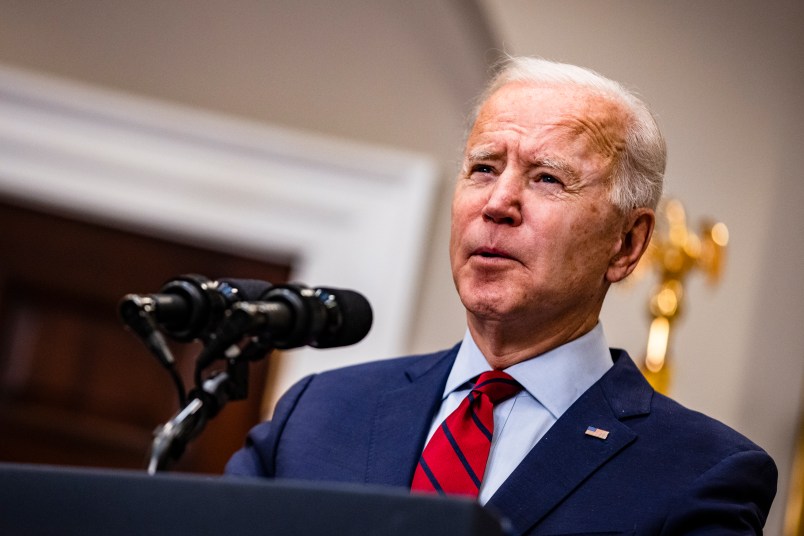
(454, 460)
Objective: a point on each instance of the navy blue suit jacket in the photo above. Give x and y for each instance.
(663, 469)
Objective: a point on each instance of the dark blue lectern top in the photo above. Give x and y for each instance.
(64, 501)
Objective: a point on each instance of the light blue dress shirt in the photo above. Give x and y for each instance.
(552, 383)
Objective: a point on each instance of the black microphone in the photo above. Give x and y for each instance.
(319, 317)
(189, 306)
(290, 316)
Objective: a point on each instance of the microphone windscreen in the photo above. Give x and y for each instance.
(356, 318)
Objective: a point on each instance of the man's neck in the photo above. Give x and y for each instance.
(505, 344)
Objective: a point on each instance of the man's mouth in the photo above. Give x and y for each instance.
(491, 253)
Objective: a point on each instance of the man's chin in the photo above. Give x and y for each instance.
(491, 308)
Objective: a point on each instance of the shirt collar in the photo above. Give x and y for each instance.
(556, 378)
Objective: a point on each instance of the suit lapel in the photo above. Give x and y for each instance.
(402, 419)
(566, 456)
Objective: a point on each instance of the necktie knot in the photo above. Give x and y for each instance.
(497, 385)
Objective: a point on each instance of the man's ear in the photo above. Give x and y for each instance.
(637, 230)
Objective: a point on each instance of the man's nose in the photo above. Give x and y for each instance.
(504, 204)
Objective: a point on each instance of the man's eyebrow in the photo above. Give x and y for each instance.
(557, 164)
(481, 153)
(486, 153)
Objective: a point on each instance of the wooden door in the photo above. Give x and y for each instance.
(76, 388)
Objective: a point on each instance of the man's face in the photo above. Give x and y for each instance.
(533, 230)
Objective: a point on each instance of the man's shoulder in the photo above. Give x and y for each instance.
(357, 389)
(378, 375)
(701, 432)
(413, 364)
(667, 421)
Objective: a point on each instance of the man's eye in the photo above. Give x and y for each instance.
(482, 168)
(549, 179)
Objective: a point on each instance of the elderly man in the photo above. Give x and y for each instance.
(532, 413)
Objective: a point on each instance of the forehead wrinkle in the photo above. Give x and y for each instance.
(604, 137)
(602, 124)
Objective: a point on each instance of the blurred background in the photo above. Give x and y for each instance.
(318, 141)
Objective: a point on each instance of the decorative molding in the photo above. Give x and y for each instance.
(347, 214)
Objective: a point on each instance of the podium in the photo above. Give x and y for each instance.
(57, 500)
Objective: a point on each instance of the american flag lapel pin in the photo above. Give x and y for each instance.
(597, 432)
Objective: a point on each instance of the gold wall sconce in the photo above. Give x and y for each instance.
(674, 252)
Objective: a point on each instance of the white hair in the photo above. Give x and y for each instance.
(638, 175)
